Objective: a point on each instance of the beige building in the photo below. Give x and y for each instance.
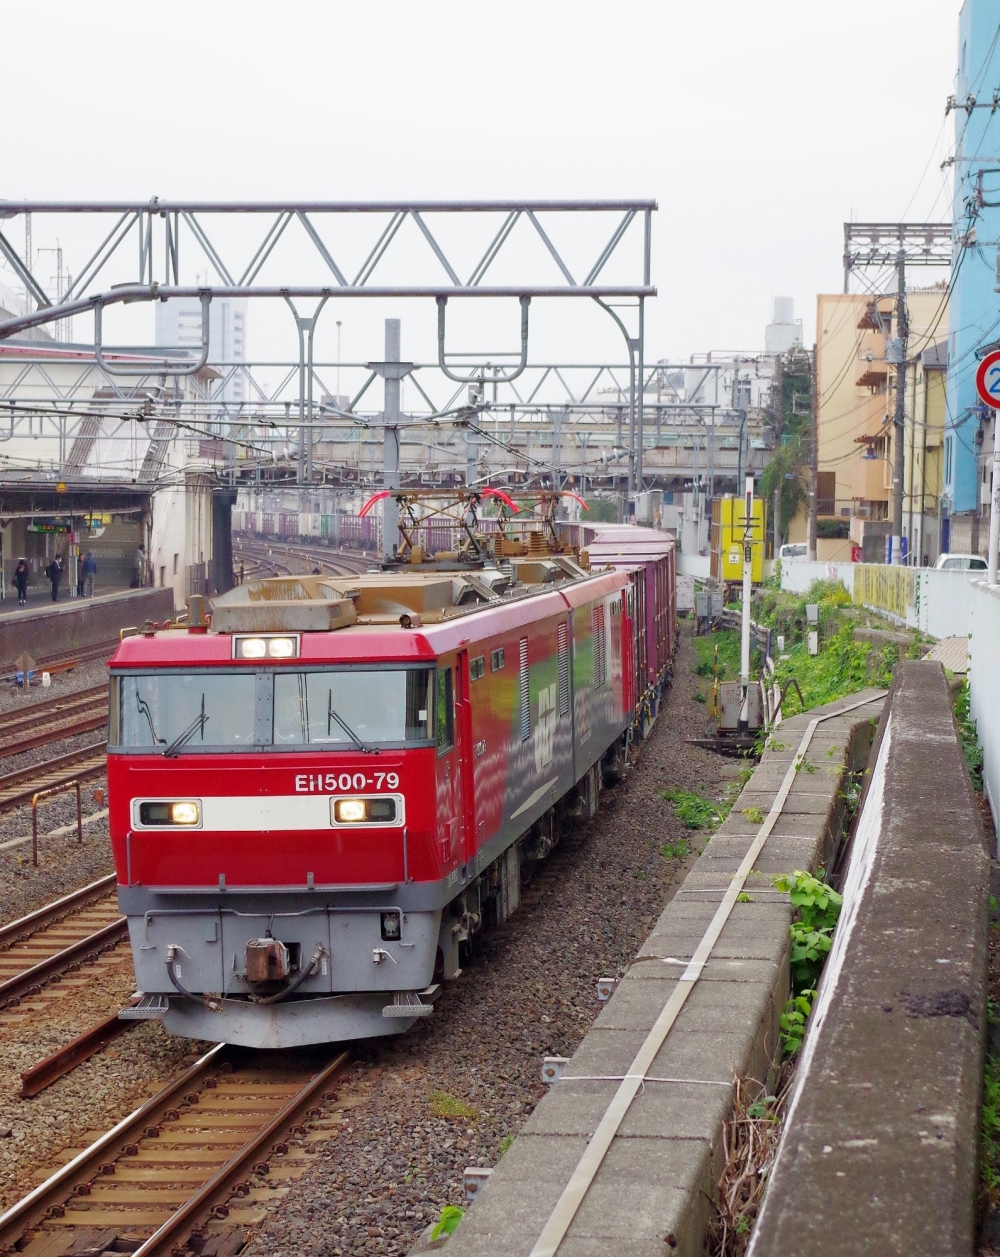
(856, 398)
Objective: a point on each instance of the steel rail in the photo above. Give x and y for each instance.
(32, 1208)
(60, 1062)
(57, 730)
(52, 706)
(19, 787)
(219, 1188)
(21, 929)
(29, 981)
(97, 1161)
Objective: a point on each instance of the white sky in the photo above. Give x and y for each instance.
(758, 127)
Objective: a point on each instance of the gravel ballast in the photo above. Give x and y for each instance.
(63, 863)
(452, 1092)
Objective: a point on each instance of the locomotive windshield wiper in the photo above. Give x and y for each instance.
(196, 726)
(143, 709)
(332, 715)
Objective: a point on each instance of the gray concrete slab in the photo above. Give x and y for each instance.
(879, 1154)
(658, 1178)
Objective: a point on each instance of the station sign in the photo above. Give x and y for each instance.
(50, 526)
(988, 380)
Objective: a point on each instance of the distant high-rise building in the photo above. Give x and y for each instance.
(784, 331)
(178, 324)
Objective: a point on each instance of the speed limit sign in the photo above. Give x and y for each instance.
(988, 380)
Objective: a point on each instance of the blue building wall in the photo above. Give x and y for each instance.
(974, 309)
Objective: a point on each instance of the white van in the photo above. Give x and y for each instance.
(961, 563)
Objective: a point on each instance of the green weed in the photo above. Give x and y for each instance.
(969, 735)
(694, 811)
(451, 1216)
(818, 907)
(754, 815)
(675, 850)
(991, 1130)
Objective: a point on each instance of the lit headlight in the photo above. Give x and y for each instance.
(186, 812)
(349, 811)
(380, 810)
(265, 647)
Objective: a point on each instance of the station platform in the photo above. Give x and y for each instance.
(45, 628)
(40, 598)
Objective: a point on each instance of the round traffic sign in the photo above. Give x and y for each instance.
(988, 379)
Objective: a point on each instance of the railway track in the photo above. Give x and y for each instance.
(58, 938)
(329, 562)
(83, 763)
(167, 1174)
(38, 728)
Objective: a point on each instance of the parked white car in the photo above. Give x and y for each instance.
(793, 550)
(961, 563)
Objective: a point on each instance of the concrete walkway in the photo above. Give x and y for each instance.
(623, 1154)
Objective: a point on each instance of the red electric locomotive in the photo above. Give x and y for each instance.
(318, 795)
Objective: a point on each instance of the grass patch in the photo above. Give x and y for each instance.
(968, 734)
(444, 1105)
(678, 850)
(694, 811)
(991, 1131)
(727, 642)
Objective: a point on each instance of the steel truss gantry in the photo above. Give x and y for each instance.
(152, 251)
(556, 420)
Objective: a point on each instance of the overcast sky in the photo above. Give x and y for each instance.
(758, 127)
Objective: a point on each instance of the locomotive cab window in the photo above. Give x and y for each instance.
(351, 707)
(496, 659)
(348, 708)
(174, 713)
(444, 711)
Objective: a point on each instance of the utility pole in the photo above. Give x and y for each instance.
(899, 418)
(779, 421)
(393, 372)
(743, 723)
(813, 456)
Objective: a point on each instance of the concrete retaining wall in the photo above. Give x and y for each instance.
(880, 1149)
(798, 574)
(82, 622)
(659, 1176)
(984, 685)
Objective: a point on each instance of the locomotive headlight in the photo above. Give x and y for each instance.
(281, 647)
(184, 813)
(377, 810)
(350, 811)
(392, 927)
(156, 813)
(270, 646)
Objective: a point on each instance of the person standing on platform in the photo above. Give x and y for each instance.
(88, 570)
(21, 581)
(54, 573)
(140, 565)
